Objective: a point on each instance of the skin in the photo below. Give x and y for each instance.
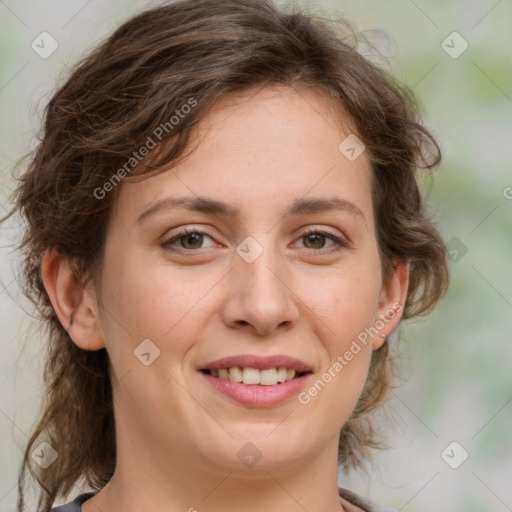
(177, 438)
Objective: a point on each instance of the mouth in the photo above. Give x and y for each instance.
(256, 381)
(255, 376)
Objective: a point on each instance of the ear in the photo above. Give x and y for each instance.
(391, 304)
(75, 305)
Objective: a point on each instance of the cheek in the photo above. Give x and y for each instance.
(345, 311)
(348, 302)
(335, 391)
(144, 301)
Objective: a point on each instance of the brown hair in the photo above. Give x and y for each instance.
(196, 52)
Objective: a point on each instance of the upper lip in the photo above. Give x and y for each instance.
(259, 362)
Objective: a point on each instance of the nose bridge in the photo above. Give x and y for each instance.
(262, 275)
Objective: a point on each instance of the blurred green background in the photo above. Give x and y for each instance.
(457, 363)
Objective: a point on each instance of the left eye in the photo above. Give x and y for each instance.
(315, 238)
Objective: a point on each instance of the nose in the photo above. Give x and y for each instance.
(261, 299)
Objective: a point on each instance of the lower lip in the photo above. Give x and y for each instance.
(257, 395)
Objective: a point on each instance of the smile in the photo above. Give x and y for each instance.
(254, 380)
(255, 376)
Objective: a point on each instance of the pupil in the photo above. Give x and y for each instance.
(318, 238)
(194, 235)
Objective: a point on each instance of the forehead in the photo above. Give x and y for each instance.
(295, 119)
(260, 150)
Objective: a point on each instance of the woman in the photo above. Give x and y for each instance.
(223, 229)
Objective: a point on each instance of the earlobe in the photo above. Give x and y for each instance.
(392, 303)
(75, 305)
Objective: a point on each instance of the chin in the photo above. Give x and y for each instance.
(260, 450)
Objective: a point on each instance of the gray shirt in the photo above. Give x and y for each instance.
(364, 503)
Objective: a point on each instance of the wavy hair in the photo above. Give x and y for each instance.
(135, 81)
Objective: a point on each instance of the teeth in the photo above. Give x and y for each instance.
(267, 377)
(290, 374)
(251, 376)
(235, 374)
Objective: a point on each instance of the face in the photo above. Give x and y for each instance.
(234, 253)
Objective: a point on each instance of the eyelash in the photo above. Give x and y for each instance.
(185, 232)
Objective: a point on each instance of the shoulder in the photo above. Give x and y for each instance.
(74, 506)
(364, 503)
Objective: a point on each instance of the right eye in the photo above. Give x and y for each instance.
(190, 240)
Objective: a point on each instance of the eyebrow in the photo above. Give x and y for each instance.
(208, 205)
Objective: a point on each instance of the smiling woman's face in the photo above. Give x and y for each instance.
(250, 283)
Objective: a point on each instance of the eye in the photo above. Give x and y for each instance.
(189, 239)
(315, 239)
